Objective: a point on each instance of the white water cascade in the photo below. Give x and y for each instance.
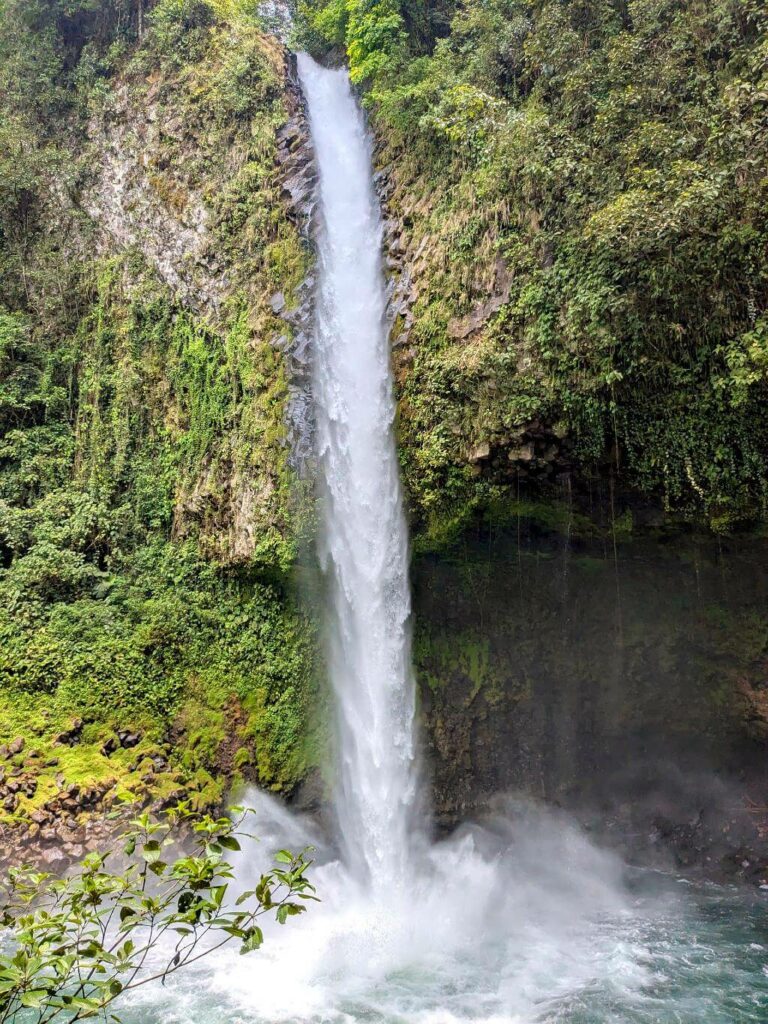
(363, 536)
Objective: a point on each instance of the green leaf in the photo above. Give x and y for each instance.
(34, 998)
(254, 940)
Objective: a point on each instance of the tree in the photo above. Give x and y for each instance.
(78, 943)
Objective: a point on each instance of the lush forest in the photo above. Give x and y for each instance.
(546, 703)
(577, 209)
(599, 170)
(146, 533)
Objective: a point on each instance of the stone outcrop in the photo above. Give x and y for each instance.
(77, 817)
(138, 202)
(298, 179)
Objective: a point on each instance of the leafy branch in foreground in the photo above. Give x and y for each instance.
(73, 945)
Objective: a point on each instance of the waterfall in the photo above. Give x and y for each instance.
(520, 920)
(363, 540)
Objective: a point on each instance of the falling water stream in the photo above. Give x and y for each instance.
(515, 921)
(363, 538)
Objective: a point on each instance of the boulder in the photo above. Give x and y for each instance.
(69, 737)
(53, 856)
(110, 745)
(523, 453)
(479, 451)
(128, 739)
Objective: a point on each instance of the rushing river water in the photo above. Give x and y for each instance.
(520, 919)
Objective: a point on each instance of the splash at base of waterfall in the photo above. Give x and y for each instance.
(520, 921)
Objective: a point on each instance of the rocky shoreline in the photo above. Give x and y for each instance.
(77, 818)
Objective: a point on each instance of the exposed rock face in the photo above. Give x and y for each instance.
(298, 177)
(136, 201)
(221, 212)
(400, 264)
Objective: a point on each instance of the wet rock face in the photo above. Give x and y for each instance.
(611, 686)
(298, 180)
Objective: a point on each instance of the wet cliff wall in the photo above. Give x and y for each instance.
(623, 682)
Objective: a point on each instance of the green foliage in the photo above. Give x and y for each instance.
(79, 944)
(134, 431)
(159, 631)
(613, 157)
(372, 33)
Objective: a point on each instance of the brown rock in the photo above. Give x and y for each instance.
(110, 745)
(480, 451)
(16, 746)
(54, 856)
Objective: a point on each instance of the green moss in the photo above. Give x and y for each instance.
(56, 765)
(466, 656)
